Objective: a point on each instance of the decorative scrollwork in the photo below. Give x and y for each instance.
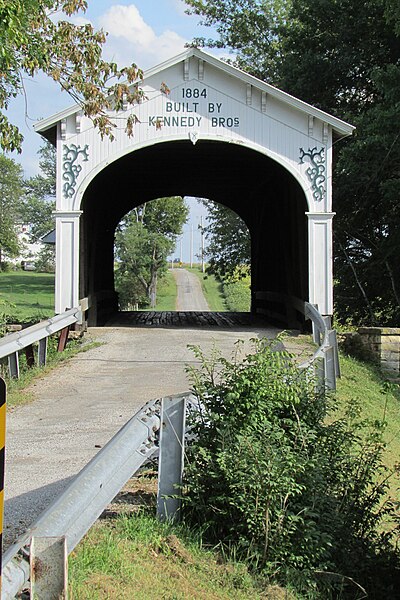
(71, 171)
(316, 172)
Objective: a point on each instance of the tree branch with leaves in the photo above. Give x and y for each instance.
(35, 36)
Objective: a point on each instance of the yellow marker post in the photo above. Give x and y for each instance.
(2, 464)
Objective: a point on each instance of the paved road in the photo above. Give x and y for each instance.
(190, 295)
(83, 403)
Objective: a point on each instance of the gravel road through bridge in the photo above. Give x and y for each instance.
(190, 295)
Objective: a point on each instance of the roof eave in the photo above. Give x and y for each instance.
(339, 127)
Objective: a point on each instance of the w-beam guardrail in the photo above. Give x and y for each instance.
(12, 343)
(326, 358)
(158, 427)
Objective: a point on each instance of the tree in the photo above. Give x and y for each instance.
(34, 38)
(344, 58)
(228, 240)
(145, 239)
(40, 192)
(249, 27)
(38, 206)
(11, 191)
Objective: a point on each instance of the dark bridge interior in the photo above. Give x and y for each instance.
(262, 192)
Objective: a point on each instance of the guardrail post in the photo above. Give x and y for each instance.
(42, 352)
(330, 371)
(319, 370)
(170, 462)
(62, 341)
(49, 568)
(30, 356)
(13, 365)
(332, 337)
(3, 405)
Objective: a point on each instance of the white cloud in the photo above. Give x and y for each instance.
(79, 20)
(131, 39)
(180, 6)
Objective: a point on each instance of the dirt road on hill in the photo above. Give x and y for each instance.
(190, 295)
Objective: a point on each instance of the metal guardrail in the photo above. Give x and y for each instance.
(12, 343)
(326, 357)
(159, 425)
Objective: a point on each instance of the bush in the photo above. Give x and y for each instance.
(273, 475)
(6, 317)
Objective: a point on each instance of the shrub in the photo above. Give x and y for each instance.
(273, 475)
(6, 317)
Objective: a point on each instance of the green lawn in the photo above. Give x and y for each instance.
(31, 293)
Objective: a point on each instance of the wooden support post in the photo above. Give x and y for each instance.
(42, 352)
(170, 462)
(30, 356)
(3, 405)
(62, 340)
(13, 365)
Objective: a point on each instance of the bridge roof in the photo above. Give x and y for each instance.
(47, 126)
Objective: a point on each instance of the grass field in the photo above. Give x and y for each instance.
(32, 294)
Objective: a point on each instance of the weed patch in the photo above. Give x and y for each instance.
(139, 558)
(293, 488)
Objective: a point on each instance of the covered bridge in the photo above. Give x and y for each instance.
(219, 134)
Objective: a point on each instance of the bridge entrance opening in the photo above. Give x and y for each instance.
(182, 254)
(262, 192)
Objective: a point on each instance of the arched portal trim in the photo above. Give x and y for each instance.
(282, 161)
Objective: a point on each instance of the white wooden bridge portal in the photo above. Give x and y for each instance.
(219, 134)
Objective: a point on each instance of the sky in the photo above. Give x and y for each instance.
(146, 32)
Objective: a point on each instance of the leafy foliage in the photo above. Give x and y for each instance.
(6, 310)
(145, 239)
(274, 476)
(236, 289)
(228, 241)
(34, 38)
(344, 58)
(11, 192)
(40, 192)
